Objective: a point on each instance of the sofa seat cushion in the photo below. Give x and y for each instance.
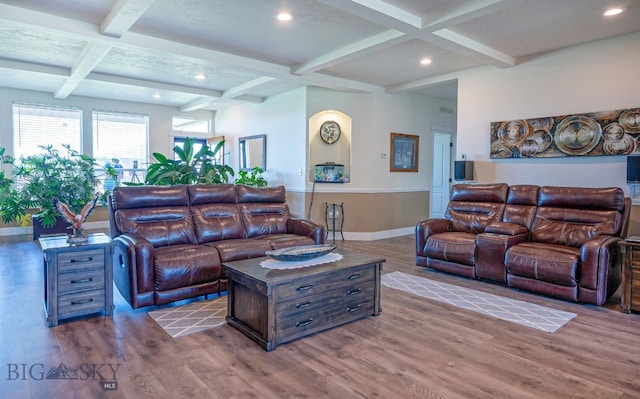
(185, 265)
(452, 246)
(241, 248)
(552, 263)
(277, 241)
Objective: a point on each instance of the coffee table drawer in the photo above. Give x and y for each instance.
(323, 282)
(312, 305)
(293, 328)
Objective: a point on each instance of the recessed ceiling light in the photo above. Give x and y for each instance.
(613, 11)
(200, 76)
(156, 96)
(425, 61)
(284, 16)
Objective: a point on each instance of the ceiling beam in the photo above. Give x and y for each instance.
(198, 103)
(468, 11)
(243, 88)
(422, 83)
(474, 49)
(354, 50)
(92, 54)
(122, 16)
(101, 77)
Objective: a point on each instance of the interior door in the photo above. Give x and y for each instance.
(441, 174)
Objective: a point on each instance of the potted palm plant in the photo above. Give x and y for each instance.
(43, 179)
(189, 167)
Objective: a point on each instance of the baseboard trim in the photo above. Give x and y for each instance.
(371, 236)
(16, 231)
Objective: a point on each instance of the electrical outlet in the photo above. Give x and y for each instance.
(299, 172)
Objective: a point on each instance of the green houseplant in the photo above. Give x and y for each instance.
(190, 167)
(252, 177)
(69, 177)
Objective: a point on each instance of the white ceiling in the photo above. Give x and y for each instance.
(132, 49)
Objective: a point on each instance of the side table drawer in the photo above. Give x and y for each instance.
(80, 260)
(81, 303)
(81, 281)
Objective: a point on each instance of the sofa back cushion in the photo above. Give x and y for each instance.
(158, 213)
(161, 226)
(215, 222)
(574, 215)
(521, 206)
(473, 207)
(130, 197)
(212, 194)
(274, 194)
(264, 218)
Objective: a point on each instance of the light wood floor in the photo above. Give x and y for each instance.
(415, 349)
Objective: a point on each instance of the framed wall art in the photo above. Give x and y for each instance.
(404, 153)
(592, 134)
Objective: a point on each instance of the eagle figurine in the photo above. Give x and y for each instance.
(76, 220)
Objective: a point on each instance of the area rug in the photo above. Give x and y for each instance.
(182, 320)
(520, 312)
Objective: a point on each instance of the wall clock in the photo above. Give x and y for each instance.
(330, 132)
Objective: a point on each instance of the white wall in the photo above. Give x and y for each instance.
(374, 117)
(159, 116)
(597, 76)
(282, 118)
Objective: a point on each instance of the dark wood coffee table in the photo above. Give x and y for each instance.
(276, 306)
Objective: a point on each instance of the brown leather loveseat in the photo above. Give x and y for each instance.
(172, 240)
(557, 241)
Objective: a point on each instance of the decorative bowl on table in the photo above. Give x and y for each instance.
(299, 253)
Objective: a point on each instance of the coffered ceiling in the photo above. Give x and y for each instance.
(133, 50)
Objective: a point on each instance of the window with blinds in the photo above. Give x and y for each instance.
(122, 136)
(40, 125)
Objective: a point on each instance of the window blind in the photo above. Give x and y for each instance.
(39, 125)
(122, 136)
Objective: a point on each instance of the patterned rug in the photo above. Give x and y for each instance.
(524, 313)
(178, 321)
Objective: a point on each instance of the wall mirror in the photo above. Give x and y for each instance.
(253, 152)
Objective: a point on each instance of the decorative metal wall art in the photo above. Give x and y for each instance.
(592, 134)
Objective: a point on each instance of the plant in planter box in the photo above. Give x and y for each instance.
(70, 178)
(252, 177)
(190, 167)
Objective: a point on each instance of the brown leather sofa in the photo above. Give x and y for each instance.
(172, 240)
(557, 241)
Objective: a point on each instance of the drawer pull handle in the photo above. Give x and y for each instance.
(354, 292)
(84, 280)
(353, 309)
(304, 287)
(82, 301)
(304, 305)
(304, 323)
(89, 259)
(354, 276)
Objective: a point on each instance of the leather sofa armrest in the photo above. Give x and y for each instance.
(426, 228)
(506, 228)
(306, 228)
(134, 272)
(596, 256)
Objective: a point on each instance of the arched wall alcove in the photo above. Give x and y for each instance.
(338, 152)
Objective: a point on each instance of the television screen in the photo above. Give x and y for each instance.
(633, 169)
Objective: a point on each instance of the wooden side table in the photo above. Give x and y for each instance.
(630, 297)
(78, 278)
